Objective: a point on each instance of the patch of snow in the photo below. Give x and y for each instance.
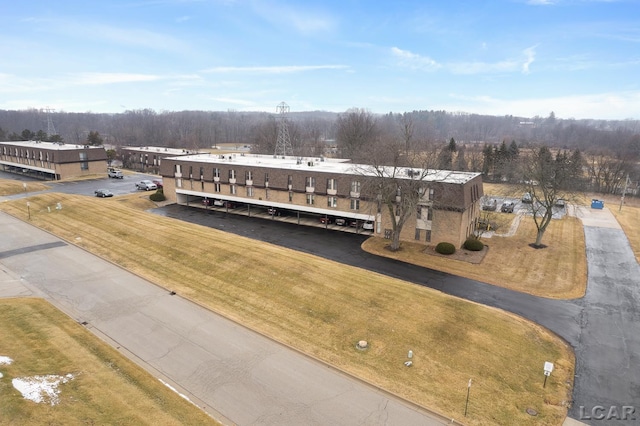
(5, 360)
(41, 388)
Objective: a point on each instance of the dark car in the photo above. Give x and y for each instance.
(158, 183)
(507, 207)
(102, 193)
(274, 212)
(560, 203)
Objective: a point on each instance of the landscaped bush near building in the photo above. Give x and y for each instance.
(445, 248)
(473, 244)
(158, 195)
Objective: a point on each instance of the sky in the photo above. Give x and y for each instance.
(577, 58)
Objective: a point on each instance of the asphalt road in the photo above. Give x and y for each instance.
(602, 327)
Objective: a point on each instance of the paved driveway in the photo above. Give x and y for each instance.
(603, 327)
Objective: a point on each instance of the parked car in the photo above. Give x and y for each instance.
(326, 219)
(116, 174)
(560, 203)
(158, 183)
(274, 212)
(340, 221)
(147, 185)
(507, 207)
(219, 203)
(527, 198)
(368, 225)
(490, 205)
(102, 193)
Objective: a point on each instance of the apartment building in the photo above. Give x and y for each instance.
(147, 159)
(323, 187)
(52, 160)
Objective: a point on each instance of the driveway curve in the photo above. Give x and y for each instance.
(602, 327)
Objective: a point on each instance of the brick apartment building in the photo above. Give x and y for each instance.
(147, 159)
(52, 160)
(322, 187)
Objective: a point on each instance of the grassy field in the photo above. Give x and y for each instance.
(323, 309)
(107, 388)
(557, 271)
(11, 187)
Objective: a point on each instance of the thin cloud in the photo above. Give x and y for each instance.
(112, 78)
(287, 69)
(304, 21)
(414, 61)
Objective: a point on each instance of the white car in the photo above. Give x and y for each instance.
(147, 185)
(368, 225)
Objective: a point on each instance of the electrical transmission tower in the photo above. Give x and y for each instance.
(283, 144)
(51, 130)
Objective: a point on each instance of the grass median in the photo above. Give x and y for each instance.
(324, 308)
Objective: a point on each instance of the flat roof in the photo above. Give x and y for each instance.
(161, 150)
(328, 165)
(58, 146)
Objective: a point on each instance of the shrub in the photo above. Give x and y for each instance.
(158, 196)
(473, 244)
(445, 248)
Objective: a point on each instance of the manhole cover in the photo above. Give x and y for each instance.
(532, 412)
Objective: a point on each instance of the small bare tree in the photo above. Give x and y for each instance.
(547, 180)
(398, 183)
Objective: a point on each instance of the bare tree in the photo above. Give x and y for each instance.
(357, 131)
(398, 183)
(547, 180)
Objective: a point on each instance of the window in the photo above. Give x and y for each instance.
(290, 196)
(429, 214)
(178, 183)
(332, 184)
(417, 236)
(355, 204)
(178, 169)
(289, 180)
(248, 175)
(332, 201)
(249, 191)
(190, 172)
(232, 174)
(310, 199)
(233, 190)
(310, 182)
(428, 238)
(355, 186)
(84, 165)
(216, 187)
(201, 173)
(266, 178)
(266, 193)
(83, 156)
(216, 172)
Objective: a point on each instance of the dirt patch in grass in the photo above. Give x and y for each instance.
(99, 385)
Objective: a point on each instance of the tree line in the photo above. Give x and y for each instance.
(610, 150)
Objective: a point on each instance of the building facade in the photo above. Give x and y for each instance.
(321, 187)
(147, 159)
(52, 160)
